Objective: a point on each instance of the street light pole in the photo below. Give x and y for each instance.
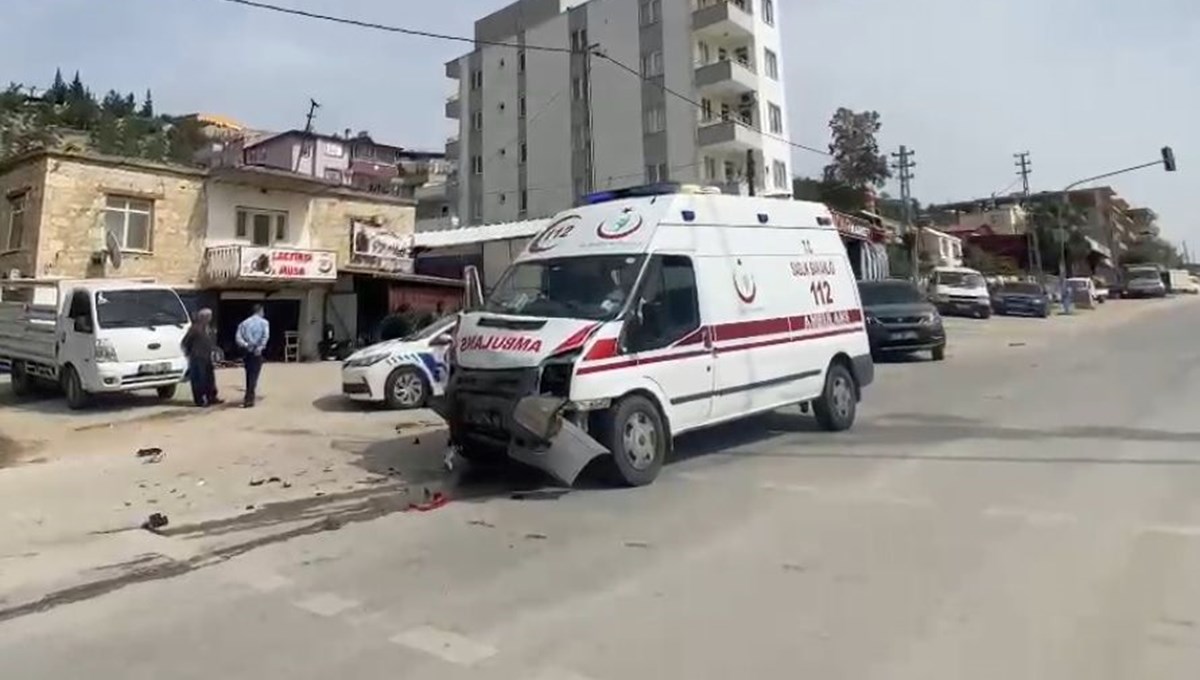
(1166, 160)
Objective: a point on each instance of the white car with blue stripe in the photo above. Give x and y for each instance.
(402, 373)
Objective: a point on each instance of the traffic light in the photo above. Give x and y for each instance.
(1168, 158)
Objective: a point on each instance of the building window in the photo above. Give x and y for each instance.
(523, 201)
(523, 152)
(775, 118)
(262, 227)
(706, 110)
(771, 64)
(781, 178)
(651, 12)
(476, 80)
(657, 173)
(477, 208)
(16, 223)
(521, 107)
(333, 175)
(579, 41)
(477, 120)
(521, 61)
(579, 89)
(768, 12)
(477, 165)
(710, 167)
(652, 64)
(502, 198)
(655, 119)
(334, 150)
(705, 53)
(130, 221)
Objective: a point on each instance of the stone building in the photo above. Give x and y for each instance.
(225, 238)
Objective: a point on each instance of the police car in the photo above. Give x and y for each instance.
(402, 373)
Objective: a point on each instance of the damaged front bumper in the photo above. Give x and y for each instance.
(496, 409)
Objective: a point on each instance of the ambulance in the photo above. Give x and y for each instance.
(653, 311)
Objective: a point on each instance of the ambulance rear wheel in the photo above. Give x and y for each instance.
(838, 404)
(637, 437)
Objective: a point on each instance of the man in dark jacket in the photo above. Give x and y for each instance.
(198, 346)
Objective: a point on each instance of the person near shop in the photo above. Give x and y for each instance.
(252, 336)
(199, 346)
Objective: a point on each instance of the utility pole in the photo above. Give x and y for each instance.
(1024, 169)
(903, 167)
(313, 105)
(591, 136)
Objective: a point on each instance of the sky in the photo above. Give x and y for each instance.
(1086, 86)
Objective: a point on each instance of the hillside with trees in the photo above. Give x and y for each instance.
(68, 116)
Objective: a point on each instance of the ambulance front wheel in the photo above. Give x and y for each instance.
(838, 404)
(637, 437)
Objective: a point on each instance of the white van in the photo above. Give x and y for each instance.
(90, 336)
(960, 290)
(643, 315)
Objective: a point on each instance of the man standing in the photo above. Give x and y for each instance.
(198, 346)
(252, 336)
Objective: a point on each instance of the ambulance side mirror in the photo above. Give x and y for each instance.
(443, 340)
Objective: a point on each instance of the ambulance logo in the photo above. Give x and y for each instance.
(743, 284)
(621, 226)
(553, 234)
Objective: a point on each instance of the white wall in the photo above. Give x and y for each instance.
(773, 92)
(617, 120)
(679, 69)
(224, 200)
(549, 126)
(500, 144)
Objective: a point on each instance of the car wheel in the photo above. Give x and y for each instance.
(638, 439)
(838, 404)
(405, 388)
(939, 353)
(22, 383)
(77, 397)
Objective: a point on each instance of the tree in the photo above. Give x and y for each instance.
(857, 162)
(81, 109)
(57, 94)
(113, 104)
(106, 137)
(147, 110)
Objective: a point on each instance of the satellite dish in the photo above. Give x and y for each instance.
(113, 248)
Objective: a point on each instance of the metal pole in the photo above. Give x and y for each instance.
(904, 166)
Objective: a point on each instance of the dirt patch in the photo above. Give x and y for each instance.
(10, 451)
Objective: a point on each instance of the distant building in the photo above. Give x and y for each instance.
(538, 129)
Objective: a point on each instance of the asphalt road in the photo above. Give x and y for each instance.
(1030, 513)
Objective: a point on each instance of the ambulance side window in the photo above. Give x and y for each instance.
(668, 303)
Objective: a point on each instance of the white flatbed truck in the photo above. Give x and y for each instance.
(91, 336)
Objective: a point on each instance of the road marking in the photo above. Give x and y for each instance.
(326, 604)
(445, 645)
(1034, 517)
(1173, 530)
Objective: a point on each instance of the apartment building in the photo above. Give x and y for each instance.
(537, 128)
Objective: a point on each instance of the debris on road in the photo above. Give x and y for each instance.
(636, 544)
(534, 536)
(155, 522)
(539, 495)
(433, 501)
(150, 455)
(1016, 344)
(257, 482)
(482, 523)
(790, 566)
(274, 480)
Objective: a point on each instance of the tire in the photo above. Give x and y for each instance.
(167, 392)
(939, 353)
(405, 388)
(638, 438)
(77, 397)
(22, 384)
(838, 404)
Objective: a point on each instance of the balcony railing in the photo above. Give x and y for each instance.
(243, 263)
(721, 18)
(727, 77)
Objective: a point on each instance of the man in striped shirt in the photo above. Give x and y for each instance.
(252, 337)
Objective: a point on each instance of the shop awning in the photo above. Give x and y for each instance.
(400, 276)
(449, 238)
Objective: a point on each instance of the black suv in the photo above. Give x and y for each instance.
(901, 319)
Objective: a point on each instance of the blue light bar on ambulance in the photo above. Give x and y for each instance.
(658, 189)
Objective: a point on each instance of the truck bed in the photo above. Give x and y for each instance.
(27, 332)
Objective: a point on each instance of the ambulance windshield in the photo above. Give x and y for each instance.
(593, 287)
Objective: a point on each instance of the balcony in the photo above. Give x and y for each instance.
(452, 148)
(453, 106)
(726, 78)
(727, 135)
(453, 69)
(266, 264)
(723, 19)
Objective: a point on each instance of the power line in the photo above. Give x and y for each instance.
(517, 46)
(393, 29)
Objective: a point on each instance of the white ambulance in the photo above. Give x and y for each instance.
(650, 312)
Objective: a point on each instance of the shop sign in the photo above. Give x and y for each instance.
(288, 263)
(374, 247)
(851, 227)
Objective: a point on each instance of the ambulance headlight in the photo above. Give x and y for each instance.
(556, 376)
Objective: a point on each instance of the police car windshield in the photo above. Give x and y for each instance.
(591, 287)
(439, 326)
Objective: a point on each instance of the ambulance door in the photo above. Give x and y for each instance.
(665, 334)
